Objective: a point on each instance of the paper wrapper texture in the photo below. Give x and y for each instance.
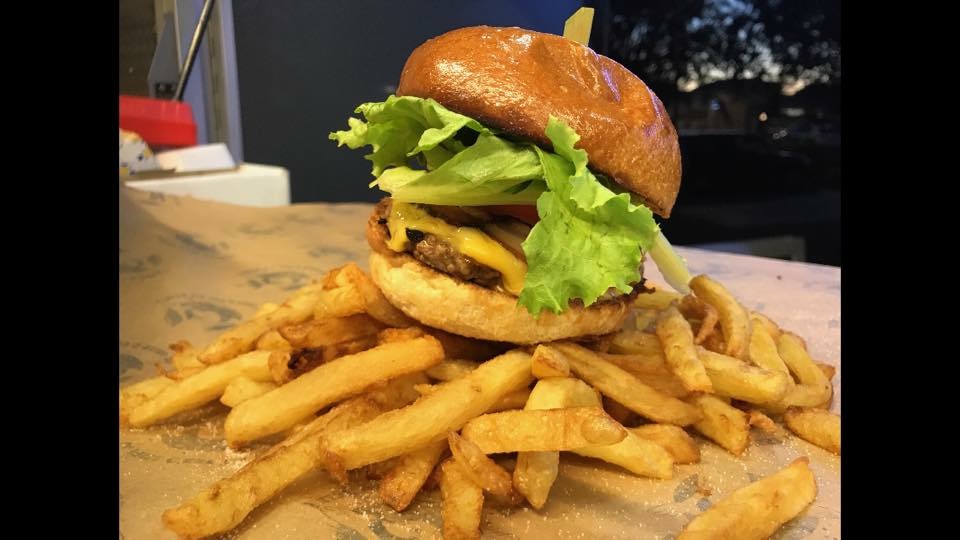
(191, 269)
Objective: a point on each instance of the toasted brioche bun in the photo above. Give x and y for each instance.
(513, 80)
(441, 301)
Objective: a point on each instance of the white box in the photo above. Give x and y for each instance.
(247, 185)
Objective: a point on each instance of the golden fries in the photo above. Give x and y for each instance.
(137, 394)
(763, 351)
(409, 473)
(759, 509)
(695, 308)
(243, 389)
(543, 430)
(225, 504)
(635, 342)
(723, 424)
(451, 369)
(658, 299)
(347, 290)
(673, 439)
(547, 364)
(283, 407)
(482, 470)
(202, 388)
(733, 317)
(461, 503)
(739, 380)
(535, 474)
(401, 395)
(816, 426)
(240, 339)
(627, 389)
(676, 337)
(431, 417)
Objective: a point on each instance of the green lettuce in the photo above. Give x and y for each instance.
(589, 238)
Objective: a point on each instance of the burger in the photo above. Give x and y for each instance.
(523, 171)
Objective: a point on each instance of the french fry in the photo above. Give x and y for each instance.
(139, 393)
(635, 342)
(272, 341)
(616, 383)
(225, 504)
(266, 308)
(814, 390)
(763, 351)
(451, 369)
(652, 371)
(348, 290)
(431, 417)
(399, 487)
(461, 503)
(185, 356)
(240, 339)
(676, 338)
(534, 475)
(673, 439)
(484, 472)
(828, 370)
(283, 407)
(739, 380)
(762, 422)
(327, 332)
(658, 299)
(733, 317)
(714, 342)
(201, 388)
(693, 307)
(511, 401)
(547, 364)
(535, 472)
(243, 389)
(637, 455)
(543, 430)
(723, 424)
(815, 426)
(759, 509)
(766, 323)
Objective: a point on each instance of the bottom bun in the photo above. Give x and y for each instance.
(438, 300)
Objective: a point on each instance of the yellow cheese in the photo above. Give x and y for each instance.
(469, 241)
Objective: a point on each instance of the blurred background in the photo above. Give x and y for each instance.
(753, 87)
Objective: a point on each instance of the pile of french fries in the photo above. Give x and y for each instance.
(339, 379)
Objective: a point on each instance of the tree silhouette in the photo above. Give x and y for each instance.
(680, 45)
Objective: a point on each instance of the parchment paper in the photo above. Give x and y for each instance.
(190, 269)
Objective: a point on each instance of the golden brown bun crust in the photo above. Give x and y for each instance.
(514, 79)
(462, 308)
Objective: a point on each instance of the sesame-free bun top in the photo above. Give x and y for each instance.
(513, 79)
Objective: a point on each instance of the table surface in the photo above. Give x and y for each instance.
(190, 269)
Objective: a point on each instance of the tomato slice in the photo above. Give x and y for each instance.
(524, 212)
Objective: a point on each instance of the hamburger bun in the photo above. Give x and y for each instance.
(513, 80)
(441, 301)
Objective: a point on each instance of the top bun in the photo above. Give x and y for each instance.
(513, 80)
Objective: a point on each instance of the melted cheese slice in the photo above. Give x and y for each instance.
(469, 241)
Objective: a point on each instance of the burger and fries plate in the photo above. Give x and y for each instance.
(486, 352)
(168, 464)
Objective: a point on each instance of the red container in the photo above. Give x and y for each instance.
(161, 123)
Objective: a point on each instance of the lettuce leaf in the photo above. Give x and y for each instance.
(589, 237)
